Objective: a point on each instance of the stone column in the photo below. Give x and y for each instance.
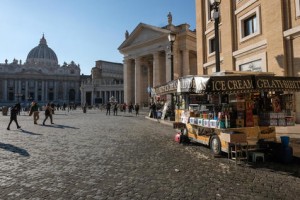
(137, 81)
(43, 91)
(46, 91)
(128, 76)
(5, 90)
(19, 88)
(26, 89)
(186, 63)
(55, 91)
(156, 70)
(36, 90)
(168, 65)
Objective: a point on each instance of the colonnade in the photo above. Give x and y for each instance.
(39, 90)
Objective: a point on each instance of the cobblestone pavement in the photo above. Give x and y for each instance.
(94, 156)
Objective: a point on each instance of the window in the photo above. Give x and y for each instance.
(212, 45)
(209, 11)
(249, 24)
(297, 5)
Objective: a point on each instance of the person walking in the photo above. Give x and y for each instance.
(13, 117)
(136, 108)
(108, 105)
(19, 108)
(48, 113)
(35, 111)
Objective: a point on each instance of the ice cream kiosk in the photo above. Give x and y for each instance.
(233, 112)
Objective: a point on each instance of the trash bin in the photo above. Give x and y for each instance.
(285, 140)
(4, 110)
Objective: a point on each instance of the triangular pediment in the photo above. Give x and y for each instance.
(143, 33)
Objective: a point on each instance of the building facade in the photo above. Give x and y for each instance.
(147, 56)
(254, 35)
(104, 84)
(40, 78)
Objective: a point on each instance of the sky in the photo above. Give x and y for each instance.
(82, 31)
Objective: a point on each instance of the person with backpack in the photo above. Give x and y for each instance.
(13, 117)
(35, 111)
(48, 113)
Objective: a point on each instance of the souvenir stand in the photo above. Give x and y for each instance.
(234, 112)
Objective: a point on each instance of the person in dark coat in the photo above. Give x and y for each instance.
(108, 105)
(115, 109)
(48, 113)
(136, 108)
(13, 117)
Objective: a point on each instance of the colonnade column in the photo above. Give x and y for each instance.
(26, 90)
(35, 90)
(43, 90)
(46, 91)
(137, 81)
(55, 90)
(186, 63)
(5, 90)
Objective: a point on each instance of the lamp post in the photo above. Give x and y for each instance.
(216, 15)
(172, 38)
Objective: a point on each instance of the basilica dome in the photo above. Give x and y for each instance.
(42, 55)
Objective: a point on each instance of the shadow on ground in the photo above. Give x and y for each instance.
(271, 164)
(14, 149)
(30, 133)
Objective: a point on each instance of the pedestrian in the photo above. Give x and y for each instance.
(130, 108)
(116, 109)
(19, 108)
(34, 109)
(153, 110)
(48, 113)
(13, 117)
(136, 108)
(108, 105)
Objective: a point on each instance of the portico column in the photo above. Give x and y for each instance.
(156, 72)
(127, 78)
(168, 66)
(186, 63)
(137, 81)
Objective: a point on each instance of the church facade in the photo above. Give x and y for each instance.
(147, 58)
(40, 78)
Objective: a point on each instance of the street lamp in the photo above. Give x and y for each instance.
(216, 15)
(172, 38)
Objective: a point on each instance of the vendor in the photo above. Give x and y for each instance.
(276, 104)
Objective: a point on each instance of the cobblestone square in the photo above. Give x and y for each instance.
(94, 156)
